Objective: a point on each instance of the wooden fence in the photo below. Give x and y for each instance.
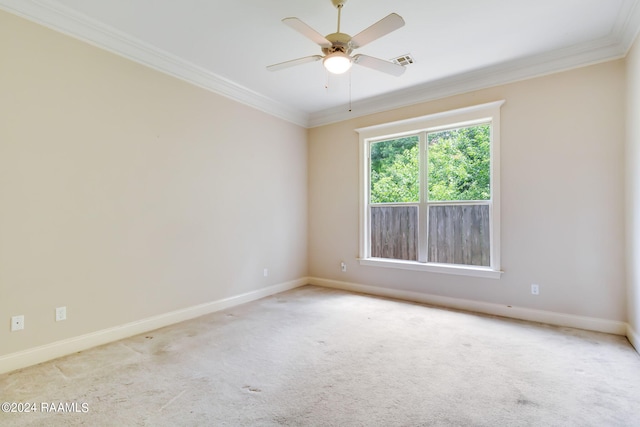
(457, 234)
(394, 232)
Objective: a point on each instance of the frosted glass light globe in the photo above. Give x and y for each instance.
(337, 62)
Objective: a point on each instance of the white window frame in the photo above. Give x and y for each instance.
(483, 113)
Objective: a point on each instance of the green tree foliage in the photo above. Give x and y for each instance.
(395, 171)
(459, 164)
(458, 167)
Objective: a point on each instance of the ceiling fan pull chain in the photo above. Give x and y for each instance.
(349, 90)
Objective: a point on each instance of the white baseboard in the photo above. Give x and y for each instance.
(633, 338)
(521, 313)
(57, 349)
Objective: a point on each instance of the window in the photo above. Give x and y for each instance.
(430, 193)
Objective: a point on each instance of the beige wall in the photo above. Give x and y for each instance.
(126, 193)
(562, 197)
(633, 190)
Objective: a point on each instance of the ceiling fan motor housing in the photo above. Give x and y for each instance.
(340, 42)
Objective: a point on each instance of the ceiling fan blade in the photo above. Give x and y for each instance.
(383, 27)
(307, 31)
(379, 64)
(287, 64)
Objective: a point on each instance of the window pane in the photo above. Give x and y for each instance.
(395, 171)
(459, 163)
(394, 232)
(459, 235)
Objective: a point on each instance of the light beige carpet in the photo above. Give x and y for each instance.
(319, 357)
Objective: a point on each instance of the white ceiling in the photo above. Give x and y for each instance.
(457, 45)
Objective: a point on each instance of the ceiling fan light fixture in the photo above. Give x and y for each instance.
(337, 62)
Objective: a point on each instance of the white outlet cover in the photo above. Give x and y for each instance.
(17, 323)
(61, 313)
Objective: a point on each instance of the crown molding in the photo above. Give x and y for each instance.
(615, 46)
(627, 26)
(508, 72)
(62, 19)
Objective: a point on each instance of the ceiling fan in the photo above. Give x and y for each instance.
(337, 47)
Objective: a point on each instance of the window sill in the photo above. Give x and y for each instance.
(461, 270)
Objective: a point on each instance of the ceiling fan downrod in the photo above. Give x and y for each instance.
(338, 4)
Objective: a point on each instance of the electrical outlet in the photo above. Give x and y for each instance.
(535, 289)
(266, 272)
(17, 323)
(61, 313)
(343, 267)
